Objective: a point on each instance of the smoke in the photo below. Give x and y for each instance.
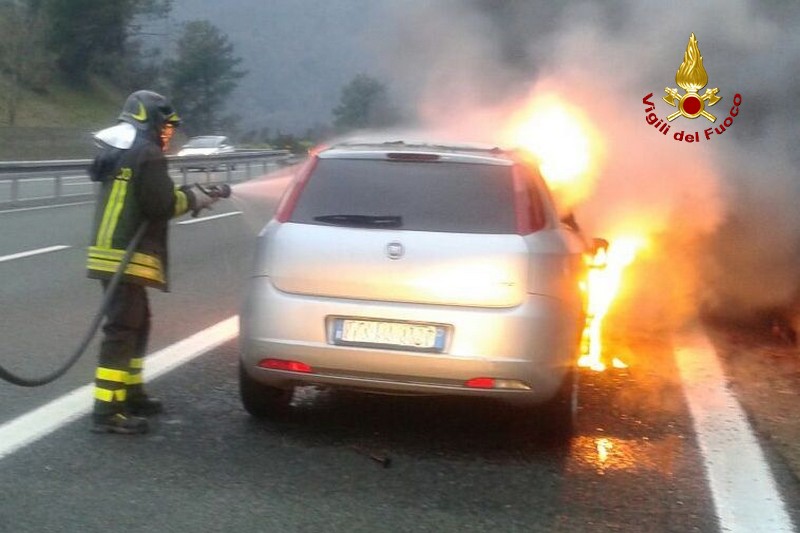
(720, 213)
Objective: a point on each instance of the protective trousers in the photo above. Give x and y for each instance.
(121, 360)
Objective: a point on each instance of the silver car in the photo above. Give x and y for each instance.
(412, 268)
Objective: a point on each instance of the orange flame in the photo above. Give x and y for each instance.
(564, 142)
(570, 152)
(603, 284)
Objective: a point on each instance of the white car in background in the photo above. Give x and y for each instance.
(206, 145)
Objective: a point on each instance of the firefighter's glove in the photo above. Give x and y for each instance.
(198, 199)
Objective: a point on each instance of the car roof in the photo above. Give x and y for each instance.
(406, 148)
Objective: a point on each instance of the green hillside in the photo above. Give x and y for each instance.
(57, 124)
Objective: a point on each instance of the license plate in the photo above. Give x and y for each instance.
(392, 334)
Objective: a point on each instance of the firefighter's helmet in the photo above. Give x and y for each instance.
(148, 110)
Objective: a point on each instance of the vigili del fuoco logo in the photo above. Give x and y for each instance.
(691, 77)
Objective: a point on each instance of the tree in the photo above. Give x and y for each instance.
(364, 103)
(23, 61)
(92, 35)
(202, 76)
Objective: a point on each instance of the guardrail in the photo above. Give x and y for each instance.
(30, 183)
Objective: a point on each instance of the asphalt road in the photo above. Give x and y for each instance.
(636, 464)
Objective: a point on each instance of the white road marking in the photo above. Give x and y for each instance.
(29, 253)
(745, 494)
(40, 207)
(40, 422)
(207, 218)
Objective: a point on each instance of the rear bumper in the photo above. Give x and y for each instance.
(534, 343)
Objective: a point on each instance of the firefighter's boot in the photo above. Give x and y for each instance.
(119, 423)
(142, 404)
(138, 402)
(110, 413)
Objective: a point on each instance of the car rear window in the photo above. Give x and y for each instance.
(421, 196)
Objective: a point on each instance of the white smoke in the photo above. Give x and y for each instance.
(722, 211)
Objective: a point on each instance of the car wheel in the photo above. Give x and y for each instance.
(559, 416)
(263, 401)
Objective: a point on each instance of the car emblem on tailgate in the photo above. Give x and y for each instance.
(395, 250)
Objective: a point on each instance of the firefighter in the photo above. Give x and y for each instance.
(135, 189)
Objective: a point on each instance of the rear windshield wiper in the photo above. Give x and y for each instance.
(362, 221)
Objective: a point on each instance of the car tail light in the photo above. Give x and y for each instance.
(292, 194)
(493, 383)
(480, 383)
(282, 364)
(527, 205)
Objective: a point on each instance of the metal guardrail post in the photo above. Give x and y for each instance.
(14, 191)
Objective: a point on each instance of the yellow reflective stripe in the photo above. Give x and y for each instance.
(111, 215)
(141, 115)
(181, 203)
(135, 379)
(107, 395)
(102, 231)
(110, 374)
(137, 362)
(114, 254)
(141, 265)
(104, 395)
(132, 270)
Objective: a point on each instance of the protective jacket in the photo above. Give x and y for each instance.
(136, 187)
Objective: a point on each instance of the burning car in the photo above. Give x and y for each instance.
(417, 268)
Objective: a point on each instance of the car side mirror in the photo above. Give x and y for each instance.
(598, 244)
(570, 221)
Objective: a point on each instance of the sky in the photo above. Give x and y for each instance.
(298, 54)
(722, 213)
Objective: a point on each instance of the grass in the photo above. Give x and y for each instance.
(57, 123)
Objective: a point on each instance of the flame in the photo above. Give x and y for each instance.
(604, 446)
(565, 144)
(570, 152)
(691, 75)
(603, 284)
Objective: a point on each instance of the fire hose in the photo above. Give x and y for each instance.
(216, 191)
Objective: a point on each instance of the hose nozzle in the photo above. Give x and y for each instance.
(222, 190)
